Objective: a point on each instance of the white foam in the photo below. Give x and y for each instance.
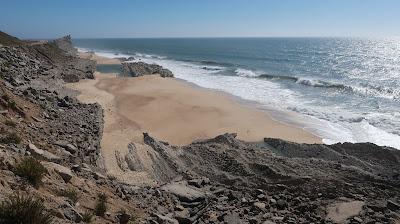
(246, 73)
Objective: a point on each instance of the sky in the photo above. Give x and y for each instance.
(200, 18)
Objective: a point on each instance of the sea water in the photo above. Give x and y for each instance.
(341, 89)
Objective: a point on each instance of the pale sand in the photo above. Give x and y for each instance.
(173, 111)
(100, 60)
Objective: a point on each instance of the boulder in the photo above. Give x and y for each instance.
(184, 193)
(70, 213)
(340, 211)
(136, 69)
(67, 146)
(259, 205)
(65, 173)
(39, 153)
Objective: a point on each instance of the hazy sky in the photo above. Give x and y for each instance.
(199, 18)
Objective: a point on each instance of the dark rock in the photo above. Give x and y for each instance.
(123, 217)
(136, 69)
(70, 213)
(281, 204)
(393, 205)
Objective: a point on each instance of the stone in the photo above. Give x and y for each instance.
(392, 205)
(340, 211)
(268, 222)
(196, 182)
(65, 173)
(165, 219)
(123, 217)
(184, 193)
(42, 154)
(99, 176)
(281, 204)
(35, 151)
(182, 216)
(136, 69)
(76, 168)
(70, 213)
(259, 205)
(67, 146)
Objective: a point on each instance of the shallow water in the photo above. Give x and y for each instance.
(340, 89)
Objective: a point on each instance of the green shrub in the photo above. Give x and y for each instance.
(31, 169)
(10, 123)
(10, 138)
(87, 217)
(70, 193)
(101, 205)
(12, 105)
(23, 209)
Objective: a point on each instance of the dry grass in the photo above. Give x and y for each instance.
(23, 209)
(31, 169)
(101, 205)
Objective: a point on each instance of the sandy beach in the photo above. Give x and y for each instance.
(173, 111)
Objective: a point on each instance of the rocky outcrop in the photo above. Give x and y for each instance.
(65, 44)
(136, 69)
(280, 182)
(38, 82)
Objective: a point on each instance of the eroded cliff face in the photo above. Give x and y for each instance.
(219, 180)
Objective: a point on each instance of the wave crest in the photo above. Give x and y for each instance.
(365, 90)
(245, 73)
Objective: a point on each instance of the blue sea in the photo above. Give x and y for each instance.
(341, 89)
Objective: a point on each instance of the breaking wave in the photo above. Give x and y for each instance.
(362, 89)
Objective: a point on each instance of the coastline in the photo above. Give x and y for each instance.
(175, 96)
(97, 149)
(166, 109)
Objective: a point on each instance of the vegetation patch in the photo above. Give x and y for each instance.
(31, 169)
(10, 123)
(11, 138)
(70, 193)
(87, 217)
(101, 205)
(23, 209)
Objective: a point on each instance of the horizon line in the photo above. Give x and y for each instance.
(217, 37)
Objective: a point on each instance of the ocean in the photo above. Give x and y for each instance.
(341, 89)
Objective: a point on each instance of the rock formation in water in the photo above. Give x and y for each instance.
(136, 69)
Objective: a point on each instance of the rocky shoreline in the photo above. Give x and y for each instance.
(136, 69)
(219, 180)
